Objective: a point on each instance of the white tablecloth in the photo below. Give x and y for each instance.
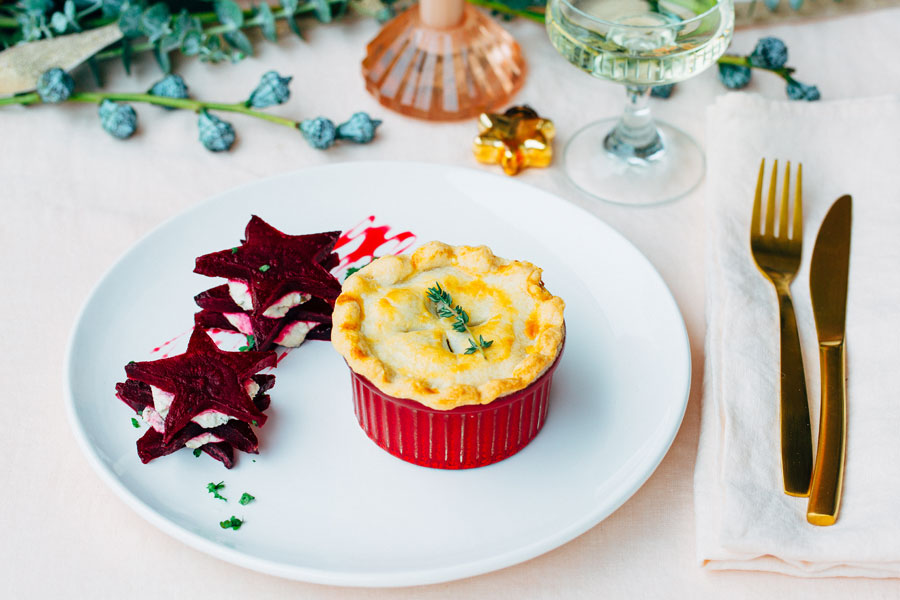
(73, 199)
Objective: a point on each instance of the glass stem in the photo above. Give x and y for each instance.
(635, 137)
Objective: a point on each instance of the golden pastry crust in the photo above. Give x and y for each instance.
(387, 330)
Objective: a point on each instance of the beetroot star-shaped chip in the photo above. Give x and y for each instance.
(204, 378)
(274, 264)
(221, 311)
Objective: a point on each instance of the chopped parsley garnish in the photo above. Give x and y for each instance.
(255, 424)
(246, 499)
(135, 423)
(213, 488)
(232, 523)
(130, 362)
(198, 452)
(251, 344)
(234, 250)
(264, 268)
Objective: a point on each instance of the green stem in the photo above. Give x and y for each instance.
(8, 23)
(744, 61)
(182, 103)
(536, 16)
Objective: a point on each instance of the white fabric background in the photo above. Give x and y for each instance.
(73, 199)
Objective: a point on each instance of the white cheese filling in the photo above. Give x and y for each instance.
(284, 304)
(208, 419)
(294, 333)
(240, 321)
(203, 438)
(240, 293)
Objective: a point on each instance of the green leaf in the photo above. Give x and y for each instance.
(229, 13)
(69, 10)
(246, 499)
(290, 8)
(322, 10)
(126, 55)
(130, 22)
(232, 523)
(239, 41)
(37, 7)
(340, 10)
(198, 452)
(111, 8)
(155, 21)
(213, 488)
(59, 22)
(162, 58)
(268, 22)
(95, 71)
(135, 424)
(193, 42)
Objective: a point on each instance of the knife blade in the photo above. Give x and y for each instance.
(828, 277)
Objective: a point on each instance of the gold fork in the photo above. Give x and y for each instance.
(777, 256)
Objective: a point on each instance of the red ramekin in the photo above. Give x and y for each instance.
(461, 438)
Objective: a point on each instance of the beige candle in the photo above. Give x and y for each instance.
(441, 14)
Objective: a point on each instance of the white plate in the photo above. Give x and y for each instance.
(331, 506)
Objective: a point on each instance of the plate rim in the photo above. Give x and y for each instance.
(399, 578)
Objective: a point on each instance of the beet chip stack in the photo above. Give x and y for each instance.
(203, 399)
(279, 289)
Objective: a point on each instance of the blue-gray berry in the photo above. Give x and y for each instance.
(735, 77)
(662, 91)
(800, 91)
(55, 85)
(769, 53)
(319, 132)
(215, 134)
(119, 120)
(170, 86)
(272, 89)
(360, 128)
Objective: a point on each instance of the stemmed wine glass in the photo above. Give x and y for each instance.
(633, 159)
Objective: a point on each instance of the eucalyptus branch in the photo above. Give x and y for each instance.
(119, 119)
(744, 61)
(533, 15)
(180, 103)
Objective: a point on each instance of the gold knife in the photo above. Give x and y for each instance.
(828, 289)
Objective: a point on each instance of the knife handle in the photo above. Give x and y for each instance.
(828, 474)
(796, 436)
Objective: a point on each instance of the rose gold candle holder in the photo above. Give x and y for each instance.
(443, 60)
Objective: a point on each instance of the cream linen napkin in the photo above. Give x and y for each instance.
(743, 519)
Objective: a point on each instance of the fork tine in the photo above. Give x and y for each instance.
(757, 200)
(770, 202)
(797, 236)
(785, 198)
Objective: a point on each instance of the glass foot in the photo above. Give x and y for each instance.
(635, 181)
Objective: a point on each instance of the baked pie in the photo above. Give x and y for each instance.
(451, 350)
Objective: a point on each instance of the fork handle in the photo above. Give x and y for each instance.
(796, 438)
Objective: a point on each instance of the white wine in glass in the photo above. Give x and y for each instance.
(632, 159)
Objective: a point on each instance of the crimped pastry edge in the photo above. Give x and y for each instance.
(388, 270)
